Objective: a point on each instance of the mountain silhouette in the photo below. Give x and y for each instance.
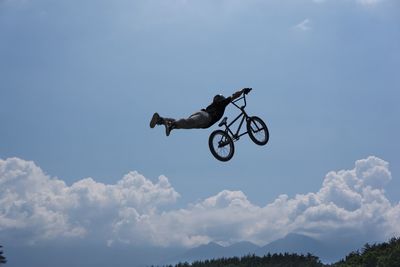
(293, 243)
(213, 250)
(241, 249)
(296, 243)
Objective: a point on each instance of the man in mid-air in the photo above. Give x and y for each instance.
(202, 119)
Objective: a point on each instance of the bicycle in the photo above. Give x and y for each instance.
(221, 142)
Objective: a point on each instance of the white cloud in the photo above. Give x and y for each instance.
(305, 25)
(35, 207)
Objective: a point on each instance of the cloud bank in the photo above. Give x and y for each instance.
(35, 207)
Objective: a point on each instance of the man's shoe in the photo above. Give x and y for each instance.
(168, 127)
(154, 120)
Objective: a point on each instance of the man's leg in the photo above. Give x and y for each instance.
(197, 120)
(158, 120)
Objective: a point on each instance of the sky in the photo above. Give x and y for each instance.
(80, 81)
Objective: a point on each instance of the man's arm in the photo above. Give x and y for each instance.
(237, 94)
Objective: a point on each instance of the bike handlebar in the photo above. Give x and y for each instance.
(247, 90)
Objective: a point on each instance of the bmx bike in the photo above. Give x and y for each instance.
(221, 142)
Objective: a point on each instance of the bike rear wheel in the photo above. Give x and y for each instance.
(221, 145)
(257, 130)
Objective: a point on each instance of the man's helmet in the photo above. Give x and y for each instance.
(218, 98)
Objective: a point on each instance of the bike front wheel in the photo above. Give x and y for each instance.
(221, 145)
(257, 130)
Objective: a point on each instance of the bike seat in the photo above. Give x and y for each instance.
(223, 122)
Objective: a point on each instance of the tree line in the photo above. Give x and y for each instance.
(272, 260)
(385, 254)
(2, 257)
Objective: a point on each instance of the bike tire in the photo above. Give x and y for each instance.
(218, 138)
(256, 126)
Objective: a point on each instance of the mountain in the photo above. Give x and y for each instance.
(292, 243)
(241, 249)
(301, 244)
(209, 251)
(213, 250)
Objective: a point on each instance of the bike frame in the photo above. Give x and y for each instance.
(243, 115)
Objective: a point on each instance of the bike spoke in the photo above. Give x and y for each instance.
(222, 150)
(258, 130)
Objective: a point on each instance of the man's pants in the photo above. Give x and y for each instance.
(197, 120)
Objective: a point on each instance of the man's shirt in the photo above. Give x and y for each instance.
(216, 110)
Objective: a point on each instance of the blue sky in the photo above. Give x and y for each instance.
(80, 80)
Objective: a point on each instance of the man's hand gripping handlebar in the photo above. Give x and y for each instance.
(246, 90)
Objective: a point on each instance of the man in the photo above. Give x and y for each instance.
(202, 119)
